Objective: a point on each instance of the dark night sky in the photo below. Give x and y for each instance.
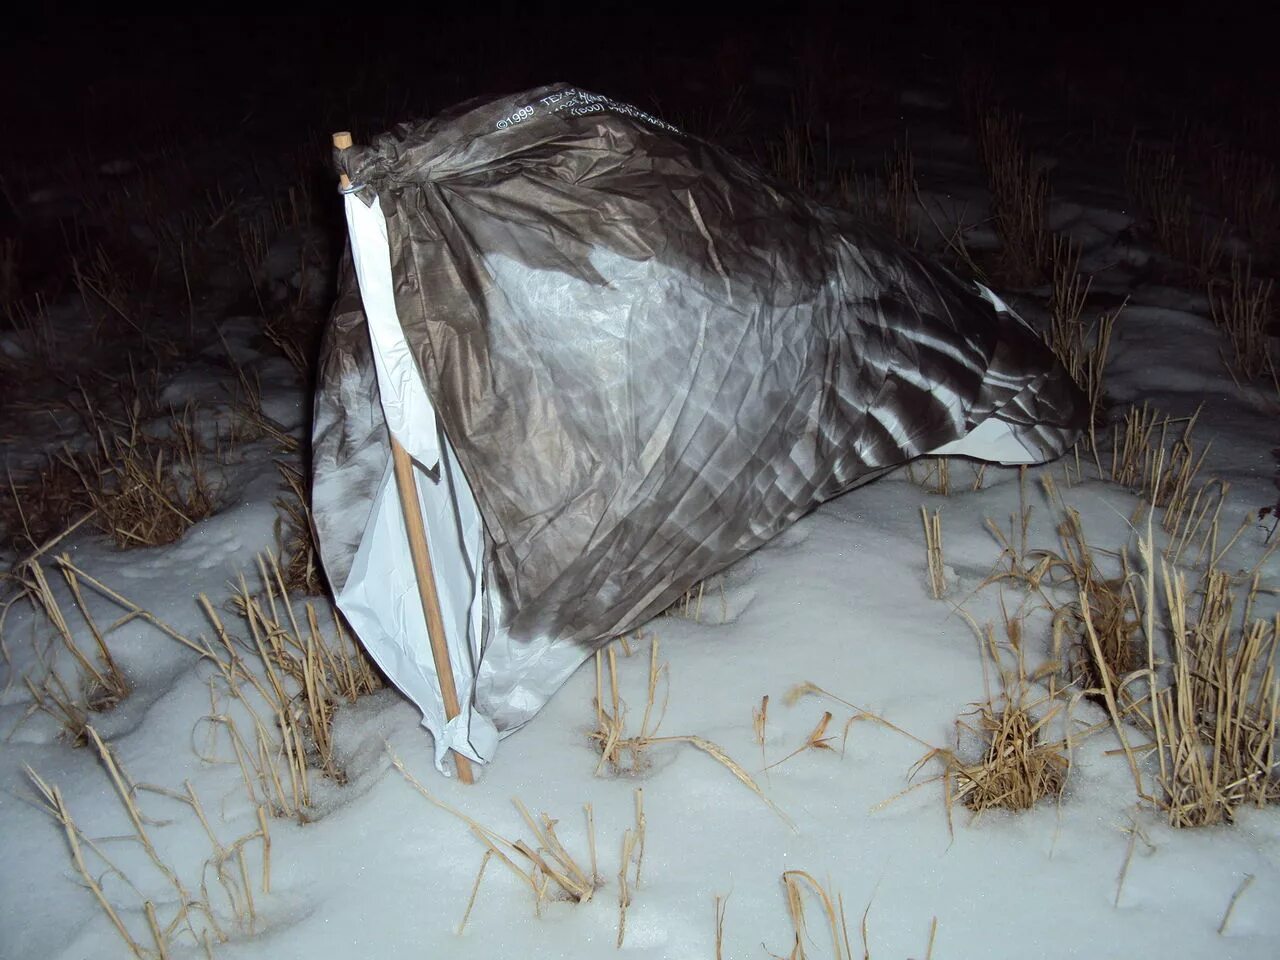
(100, 77)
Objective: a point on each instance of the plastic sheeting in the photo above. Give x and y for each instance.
(621, 360)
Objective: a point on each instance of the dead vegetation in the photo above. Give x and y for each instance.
(1081, 346)
(41, 504)
(306, 676)
(1246, 188)
(146, 490)
(697, 601)
(142, 485)
(1003, 758)
(545, 863)
(99, 683)
(1156, 180)
(1101, 609)
(1158, 458)
(623, 752)
(795, 883)
(295, 534)
(1210, 711)
(934, 475)
(1198, 682)
(1019, 197)
(1241, 309)
(933, 552)
(273, 694)
(800, 887)
(202, 906)
(901, 193)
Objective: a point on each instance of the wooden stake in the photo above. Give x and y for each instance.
(421, 554)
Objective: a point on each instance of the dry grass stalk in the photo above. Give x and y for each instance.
(1155, 179)
(57, 808)
(1247, 188)
(252, 420)
(1217, 722)
(274, 744)
(759, 725)
(194, 916)
(102, 683)
(797, 159)
(936, 477)
(1019, 197)
(1136, 833)
(1242, 311)
(722, 906)
(817, 740)
(808, 687)
(954, 239)
(933, 550)
(145, 491)
(52, 697)
(1162, 466)
(1200, 519)
(621, 753)
(546, 866)
(1096, 633)
(859, 714)
(323, 672)
(1019, 767)
(475, 889)
(42, 505)
(1231, 904)
(102, 285)
(632, 854)
(35, 339)
(1213, 715)
(689, 606)
(1106, 602)
(624, 754)
(857, 193)
(1082, 348)
(901, 191)
(794, 883)
(285, 683)
(295, 534)
(1070, 292)
(641, 823)
(1203, 248)
(591, 843)
(1016, 561)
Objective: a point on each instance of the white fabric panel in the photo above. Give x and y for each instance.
(994, 440)
(404, 396)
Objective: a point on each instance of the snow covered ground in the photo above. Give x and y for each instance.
(372, 868)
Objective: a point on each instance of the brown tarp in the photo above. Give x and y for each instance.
(649, 356)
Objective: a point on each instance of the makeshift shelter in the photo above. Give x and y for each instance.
(620, 359)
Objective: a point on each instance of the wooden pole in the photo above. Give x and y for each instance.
(421, 554)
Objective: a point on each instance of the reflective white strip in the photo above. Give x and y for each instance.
(407, 406)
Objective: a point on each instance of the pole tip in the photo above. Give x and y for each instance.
(342, 139)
